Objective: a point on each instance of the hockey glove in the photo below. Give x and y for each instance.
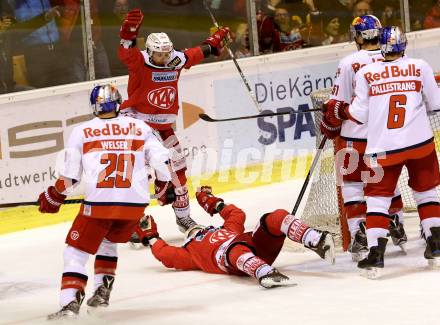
(208, 201)
(329, 131)
(164, 192)
(131, 25)
(217, 40)
(50, 200)
(147, 230)
(335, 111)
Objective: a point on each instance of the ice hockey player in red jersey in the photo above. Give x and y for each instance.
(153, 95)
(351, 138)
(109, 154)
(393, 97)
(230, 250)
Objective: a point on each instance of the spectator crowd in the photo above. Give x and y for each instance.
(42, 42)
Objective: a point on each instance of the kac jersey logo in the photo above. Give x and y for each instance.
(162, 97)
(221, 235)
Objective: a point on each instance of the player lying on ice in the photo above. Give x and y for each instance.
(230, 250)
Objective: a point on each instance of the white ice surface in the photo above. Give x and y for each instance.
(147, 293)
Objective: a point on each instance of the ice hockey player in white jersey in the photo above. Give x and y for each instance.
(352, 141)
(394, 97)
(109, 153)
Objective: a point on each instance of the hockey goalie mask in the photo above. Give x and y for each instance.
(105, 99)
(368, 27)
(392, 40)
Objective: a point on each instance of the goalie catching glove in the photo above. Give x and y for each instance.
(217, 40)
(131, 25)
(208, 201)
(50, 200)
(147, 230)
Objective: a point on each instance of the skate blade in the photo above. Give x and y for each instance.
(272, 284)
(135, 246)
(96, 311)
(357, 257)
(403, 248)
(330, 254)
(434, 263)
(372, 273)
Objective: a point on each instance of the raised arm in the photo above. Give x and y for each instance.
(233, 216)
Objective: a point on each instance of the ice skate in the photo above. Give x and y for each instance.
(102, 294)
(432, 251)
(325, 247)
(71, 310)
(185, 223)
(372, 265)
(275, 279)
(397, 233)
(359, 246)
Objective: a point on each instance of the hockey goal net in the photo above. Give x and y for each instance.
(324, 206)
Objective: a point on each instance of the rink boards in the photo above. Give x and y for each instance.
(231, 155)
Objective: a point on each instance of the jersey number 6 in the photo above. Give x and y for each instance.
(122, 164)
(396, 114)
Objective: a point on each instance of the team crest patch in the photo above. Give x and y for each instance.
(174, 62)
(74, 235)
(164, 76)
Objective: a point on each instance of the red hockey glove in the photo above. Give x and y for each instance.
(217, 40)
(335, 111)
(131, 24)
(164, 192)
(328, 130)
(207, 200)
(50, 200)
(147, 230)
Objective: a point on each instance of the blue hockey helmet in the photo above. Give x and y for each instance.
(368, 27)
(392, 40)
(105, 99)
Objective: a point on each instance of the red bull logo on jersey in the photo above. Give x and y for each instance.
(113, 129)
(162, 97)
(393, 71)
(356, 66)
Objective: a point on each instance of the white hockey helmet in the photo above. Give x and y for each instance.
(158, 42)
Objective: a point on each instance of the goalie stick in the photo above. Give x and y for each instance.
(207, 118)
(309, 175)
(214, 21)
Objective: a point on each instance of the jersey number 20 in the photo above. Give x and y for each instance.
(396, 114)
(122, 164)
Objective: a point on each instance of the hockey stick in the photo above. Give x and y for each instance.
(18, 204)
(69, 201)
(208, 118)
(309, 175)
(214, 21)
